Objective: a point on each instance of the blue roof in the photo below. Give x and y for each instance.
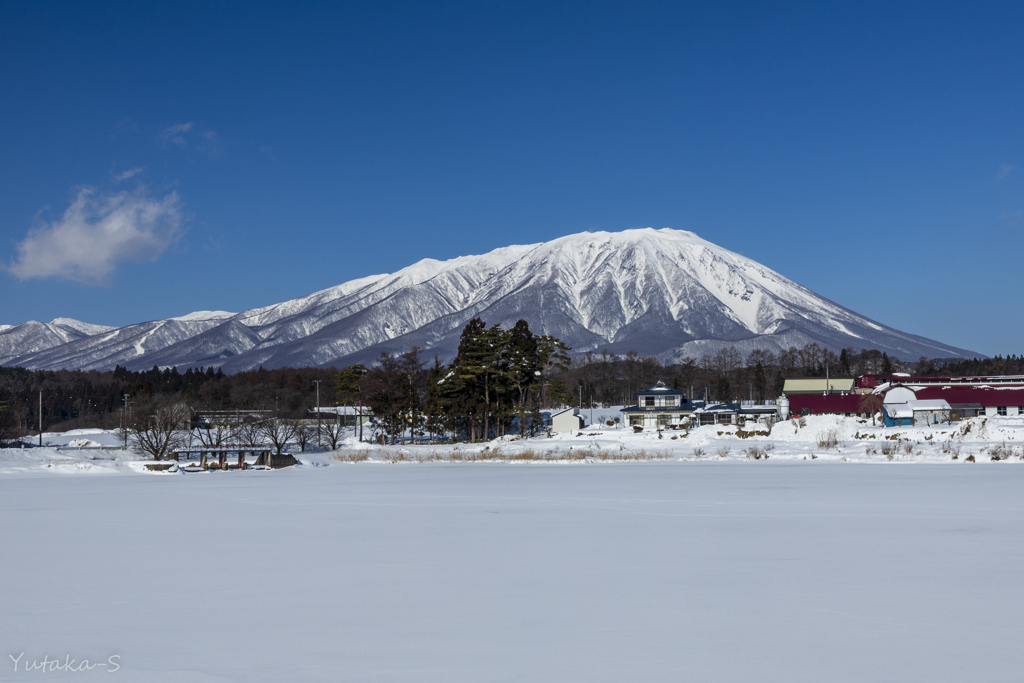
(659, 389)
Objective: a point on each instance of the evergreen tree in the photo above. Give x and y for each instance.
(844, 362)
(886, 364)
(523, 360)
(348, 390)
(760, 381)
(480, 363)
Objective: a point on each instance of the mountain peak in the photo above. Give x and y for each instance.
(661, 292)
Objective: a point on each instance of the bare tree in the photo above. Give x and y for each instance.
(157, 427)
(304, 433)
(215, 436)
(279, 431)
(870, 403)
(250, 433)
(330, 431)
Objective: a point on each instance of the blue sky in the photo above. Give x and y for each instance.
(238, 155)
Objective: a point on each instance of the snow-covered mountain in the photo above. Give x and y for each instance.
(34, 337)
(110, 346)
(660, 292)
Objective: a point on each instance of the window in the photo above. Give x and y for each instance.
(636, 420)
(1020, 410)
(649, 401)
(1001, 410)
(664, 420)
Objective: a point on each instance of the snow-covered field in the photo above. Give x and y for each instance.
(584, 569)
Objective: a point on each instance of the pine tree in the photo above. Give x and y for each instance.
(523, 358)
(886, 364)
(349, 389)
(844, 362)
(760, 381)
(480, 362)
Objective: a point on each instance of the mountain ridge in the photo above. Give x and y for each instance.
(667, 293)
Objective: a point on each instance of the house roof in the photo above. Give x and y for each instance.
(659, 389)
(658, 409)
(899, 410)
(928, 404)
(810, 384)
(872, 381)
(986, 396)
(720, 408)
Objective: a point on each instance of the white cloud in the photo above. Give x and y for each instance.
(176, 133)
(96, 234)
(125, 175)
(1004, 170)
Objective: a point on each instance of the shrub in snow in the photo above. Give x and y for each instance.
(969, 458)
(1000, 452)
(756, 453)
(829, 438)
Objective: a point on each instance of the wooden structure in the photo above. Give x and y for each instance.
(224, 458)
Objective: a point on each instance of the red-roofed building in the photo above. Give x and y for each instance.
(971, 401)
(850, 405)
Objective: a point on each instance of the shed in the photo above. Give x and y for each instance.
(568, 420)
(917, 412)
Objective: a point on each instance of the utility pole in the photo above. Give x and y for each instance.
(40, 417)
(317, 382)
(125, 415)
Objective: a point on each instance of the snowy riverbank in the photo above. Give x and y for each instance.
(813, 439)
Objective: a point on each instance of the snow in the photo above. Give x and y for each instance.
(205, 315)
(87, 329)
(717, 569)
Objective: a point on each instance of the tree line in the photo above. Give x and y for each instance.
(74, 399)
(498, 381)
(726, 375)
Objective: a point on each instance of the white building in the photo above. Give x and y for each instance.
(660, 406)
(568, 420)
(901, 407)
